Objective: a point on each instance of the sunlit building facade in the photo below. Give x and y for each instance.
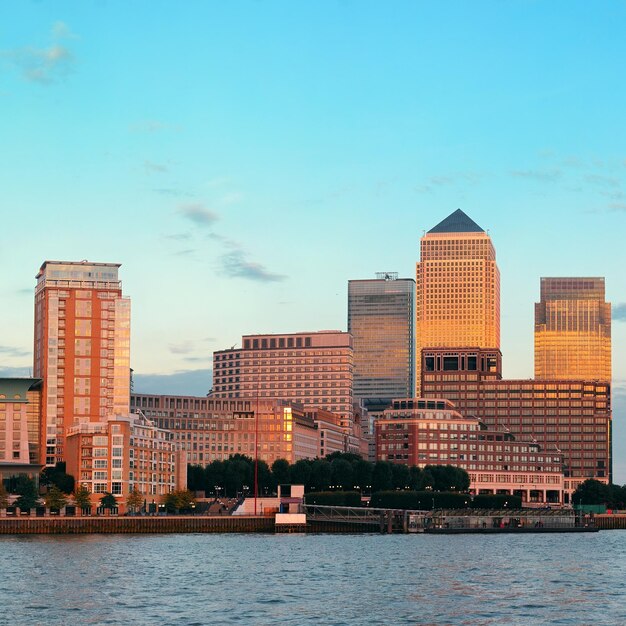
(212, 429)
(381, 320)
(314, 369)
(125, 453)
(568, 416)
(419, 431)
(573, 330)
(81, 349)
(458, 287)
(20, 421)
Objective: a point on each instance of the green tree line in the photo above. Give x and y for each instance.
(338, 471)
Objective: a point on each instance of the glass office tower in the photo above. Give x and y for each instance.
(381, 320)
(573, 330)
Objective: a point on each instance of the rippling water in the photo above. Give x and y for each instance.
(313, 579)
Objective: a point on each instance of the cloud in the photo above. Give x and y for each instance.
(619, 312)
(16, 372)
(153, 126)
(617, 206)
(178, 236)
(11, 351)
(422, 188)
(198, 213)
(181, 383)
(236, 265)
(44, 65)
(155, 167)
(603, 181)
(175, 193)
(545, 176)
(184, 347)
(26, 291)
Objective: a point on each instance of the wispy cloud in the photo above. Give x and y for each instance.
(44, 65)
(178, 236)
(617, 206)
(619, 312)
(602, 181)
(173, 193)
(236, 265)
(183, 347)
(12, 351)
(151, 166)
(544, 176)
(10, 372)
(198, 214)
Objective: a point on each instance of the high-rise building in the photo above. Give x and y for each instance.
(381, 320)
(315, 369)
(82, 348)
(458, 287)
(573, 330)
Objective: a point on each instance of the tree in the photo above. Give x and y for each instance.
(400, 476)
(195, 477)
(179, 501)
(280, 471)
(381, 476)
(82, 497)
(134, 500)
(27, 490)
(4, 496)
(341, 473)
(55, 498)
(108, 501)
(301, 472)
(57, 476)
(592, 492)
(320, 475)
(362, 474)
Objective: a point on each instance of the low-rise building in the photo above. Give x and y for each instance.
(20, 427)
(123, 453)
(418, 431)
(213, 429)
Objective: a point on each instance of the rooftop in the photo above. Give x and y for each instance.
(457, 222)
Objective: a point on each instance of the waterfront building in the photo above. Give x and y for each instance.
(331, 434)
(419, 431)
(381, 320)
(458, 287)
(81, 349)
(562, 415)
(20, 419)
(125, 452)
(314, 369)
(213, 429)
(573, 330)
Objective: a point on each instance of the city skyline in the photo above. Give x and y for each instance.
(258, 166)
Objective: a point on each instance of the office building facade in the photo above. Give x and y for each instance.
(314, 369)
(573, 330)
(212, 429)
(572, 417)
(381, 320)
(418, 431)
(458, 287)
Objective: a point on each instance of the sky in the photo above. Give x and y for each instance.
(244, 160)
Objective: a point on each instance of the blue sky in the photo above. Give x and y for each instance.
(244, 160)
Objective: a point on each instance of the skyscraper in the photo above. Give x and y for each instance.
(458, 287)
(573, 330)
(82, 348)
(381, 320)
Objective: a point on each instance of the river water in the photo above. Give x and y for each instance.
(313, 579)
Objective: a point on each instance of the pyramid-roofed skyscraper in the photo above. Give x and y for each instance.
(458, 288)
